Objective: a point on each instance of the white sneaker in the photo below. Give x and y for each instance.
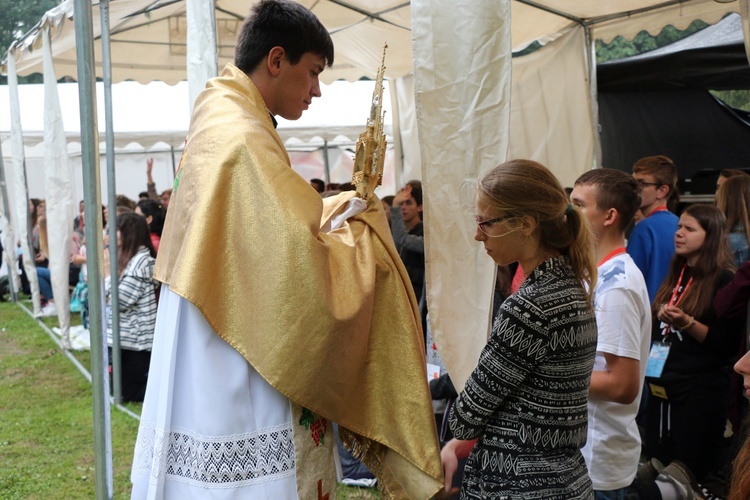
(49, 310)
(65, 343)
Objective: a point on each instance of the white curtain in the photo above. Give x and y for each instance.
(59, 192)
(21, 201)
(551, 115)
(407, 122)
(9, 252)
(202, 57)
(462, 70)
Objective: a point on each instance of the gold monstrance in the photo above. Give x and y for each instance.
(370, 153)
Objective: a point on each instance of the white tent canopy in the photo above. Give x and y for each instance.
(149, 36)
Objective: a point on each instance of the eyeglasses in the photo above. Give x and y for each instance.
(643, 183)
(486, 225)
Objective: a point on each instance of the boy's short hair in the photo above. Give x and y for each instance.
(661, 168)
(285, 24)
(615, 189)
(416, 191)
(123, 201)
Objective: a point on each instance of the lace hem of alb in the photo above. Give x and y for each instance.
(214, 462)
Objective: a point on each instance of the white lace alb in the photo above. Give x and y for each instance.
(215, 462)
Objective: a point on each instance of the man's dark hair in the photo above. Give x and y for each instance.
(285, 24)
(615, 189)
(416, 191)
(319, 185)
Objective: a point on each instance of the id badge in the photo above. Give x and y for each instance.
(657, 357)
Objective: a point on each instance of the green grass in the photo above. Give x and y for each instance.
(46, 419)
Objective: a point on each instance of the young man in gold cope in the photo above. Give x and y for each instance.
(279, 313)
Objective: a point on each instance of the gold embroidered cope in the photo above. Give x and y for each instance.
(328, 319)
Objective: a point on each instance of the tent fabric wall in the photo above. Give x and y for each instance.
(160, 113)
(409, 133)
(462, 84)
(688, 125)
(10, 258)
(20, 200)
(551, 120)
(59, 196)
(657, 103)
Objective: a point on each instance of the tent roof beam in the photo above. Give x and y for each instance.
(596, 20)
(556, 12)
(373, 15)
(629, 13)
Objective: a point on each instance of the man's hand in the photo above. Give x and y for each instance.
(402, 196)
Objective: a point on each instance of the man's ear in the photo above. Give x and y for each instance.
(275, 56)
(612, 217)
(663, 191)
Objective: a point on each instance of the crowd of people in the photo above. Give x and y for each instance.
(607, 373)
(139, 226)
(623, 389)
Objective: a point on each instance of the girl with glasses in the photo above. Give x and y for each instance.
(521, 418)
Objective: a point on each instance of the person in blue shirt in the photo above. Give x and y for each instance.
(651, 243)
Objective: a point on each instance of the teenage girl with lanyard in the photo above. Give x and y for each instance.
(687, 375)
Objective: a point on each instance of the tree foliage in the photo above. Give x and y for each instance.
(18, 17)
(738, 99)
(643, 42)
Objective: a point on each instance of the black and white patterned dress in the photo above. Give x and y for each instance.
(526, 399)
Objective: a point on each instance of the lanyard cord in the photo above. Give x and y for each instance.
(678, 293)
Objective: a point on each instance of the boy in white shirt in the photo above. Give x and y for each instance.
(609, 199)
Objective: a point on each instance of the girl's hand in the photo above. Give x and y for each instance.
(673, 315)
(449, 458)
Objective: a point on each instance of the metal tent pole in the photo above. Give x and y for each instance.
(92, 206)
(174, 167)
(326, 163)
(114, 271)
